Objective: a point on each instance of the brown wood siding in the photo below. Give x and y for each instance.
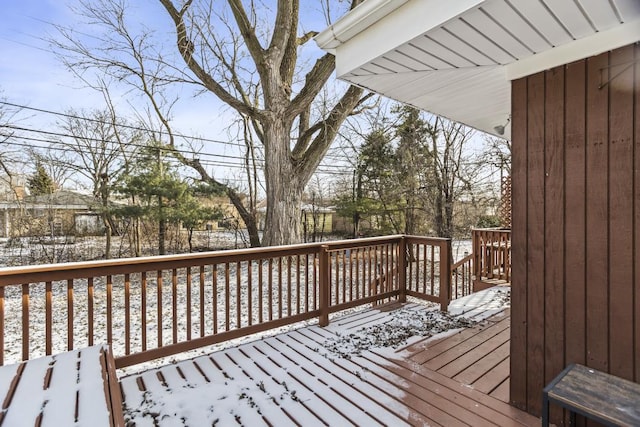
(519, 246)
(576, 222)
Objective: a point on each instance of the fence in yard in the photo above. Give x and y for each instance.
(158, 306)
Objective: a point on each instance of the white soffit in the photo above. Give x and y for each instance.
(456, 58)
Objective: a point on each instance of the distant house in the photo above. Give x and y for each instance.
(317, 219)
(230, 216)
(60, 213)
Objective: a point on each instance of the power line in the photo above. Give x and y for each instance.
(126, 144)
(141, 129)
(138, 128)
(215, 163)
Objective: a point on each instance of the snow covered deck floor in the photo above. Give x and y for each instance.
(328, 376)
(73, 388)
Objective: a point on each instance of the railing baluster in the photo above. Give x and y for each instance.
(306, 283)
(202, 300)
(143, 308)
(174, 304)
(25, 321)
(48, 321)
(344, 276)
(270, 290)
(356, 255)
(260, 292)
(378, 269)
(298, 284)
(109, 309)
(289, 286)
(188, 302)
(340, 260)
(325, 285)
(433, 267)
(334, 255)
(214, 280)
(70, 314)
(249, 294)
(238, 294)
(90, 310)
(127, 314)
(332, 292)
(227, 288)
(279, 287)
(427, 268)
(315, 281)
(351, 281)
(364, 268)
(159, 307)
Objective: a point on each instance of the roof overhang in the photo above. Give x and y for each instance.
(457, 58)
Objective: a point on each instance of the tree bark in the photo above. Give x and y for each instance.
(284, 189)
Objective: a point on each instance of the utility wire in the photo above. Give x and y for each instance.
(204, 162)
(141, 129)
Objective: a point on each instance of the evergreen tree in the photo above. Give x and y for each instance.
(162, 195)
(40, 182)
(411, 160)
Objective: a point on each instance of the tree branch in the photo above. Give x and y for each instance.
(318, 148)
(314, 82)
(185, 47)
(247, 31)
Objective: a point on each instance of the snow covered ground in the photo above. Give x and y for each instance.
(261, 381)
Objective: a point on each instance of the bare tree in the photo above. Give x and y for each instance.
(100, 148)
(452, 172)
(229, 52)
(9, 154)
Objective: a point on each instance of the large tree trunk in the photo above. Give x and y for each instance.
(284, 188)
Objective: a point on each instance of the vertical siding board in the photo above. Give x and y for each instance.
(535, 240)
(575, 232)
(518, 360)
(554, 228)
(636, 207)
(597, 214)
(621, 164)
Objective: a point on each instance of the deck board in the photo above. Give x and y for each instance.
(459, 380)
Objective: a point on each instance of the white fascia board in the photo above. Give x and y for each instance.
(362, 44)
(360, 18)
(619, 36)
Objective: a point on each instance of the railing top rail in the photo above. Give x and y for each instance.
(493, 229)
(462, 261)
(50, 272)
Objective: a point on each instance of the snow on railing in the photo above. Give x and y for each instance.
(153, 307)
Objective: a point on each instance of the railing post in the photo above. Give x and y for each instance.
(402, 273)
(324, 283)
(445, 275)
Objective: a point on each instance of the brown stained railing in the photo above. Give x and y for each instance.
(157, 306)
(428, 269)
(492, 254)
(462, 277)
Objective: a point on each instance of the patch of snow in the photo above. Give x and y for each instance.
(483, 304)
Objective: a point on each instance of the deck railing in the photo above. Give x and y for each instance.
(462, 276)
(158, 306)
(492, 254)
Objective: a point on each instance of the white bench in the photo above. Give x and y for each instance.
(79, 387)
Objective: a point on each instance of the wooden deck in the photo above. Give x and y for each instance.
(291, 379)
(478, 357)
